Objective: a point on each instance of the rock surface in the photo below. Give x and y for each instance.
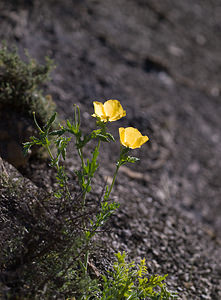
(161, 59)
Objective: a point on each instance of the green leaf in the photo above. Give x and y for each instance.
(49, 123)
(132, 159)
(57, 132)
(110, 136)
(69, 124)
(27, 147)
(63, 153)
(95, 132)
(103, 138)
(72, 128)
(88, 188)
(85, 140)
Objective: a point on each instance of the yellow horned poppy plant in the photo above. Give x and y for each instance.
(111, 110)
(131, 137)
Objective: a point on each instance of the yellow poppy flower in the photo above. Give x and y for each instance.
(111, 110)
(131, 137)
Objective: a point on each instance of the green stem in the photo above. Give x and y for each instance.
(81, 157)
(98, 145)
(89, 179)
(113, 181)
(51, 155)
(86, 262)
(123, 151)
(49, 151)
(36, 123)
(84, 196)
(57, 167)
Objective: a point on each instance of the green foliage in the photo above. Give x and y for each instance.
(128, 281)
(44, 238)
(20, 82)
(125, 280)
(125, 158)
(53, 235)
(107, 209)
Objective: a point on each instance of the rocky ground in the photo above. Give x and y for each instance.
(162, 60)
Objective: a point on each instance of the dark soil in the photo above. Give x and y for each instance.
(162, 60)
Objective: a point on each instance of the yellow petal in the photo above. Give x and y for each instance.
(99, 111)
(131, 137)
(122, 135)
(140, 141)
(113, 110)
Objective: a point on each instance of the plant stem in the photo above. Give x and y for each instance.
(86, 262)
(98, 145)
(123, 151)
(81, 157)
(89, 179)
(84, 196)
(113, 181)
(51, 155)
(49, 151)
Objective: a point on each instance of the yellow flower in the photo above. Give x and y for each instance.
(111, 110)
(131, 137)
